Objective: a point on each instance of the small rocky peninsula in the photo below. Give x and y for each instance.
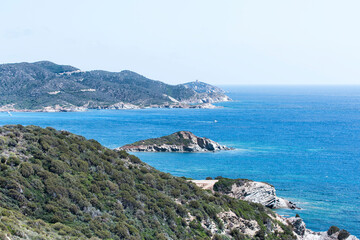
(182, 141)
(247, 190)
(265, 194)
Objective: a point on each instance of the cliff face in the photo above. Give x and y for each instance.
(183, 141)
(259, 192)
(247, 190)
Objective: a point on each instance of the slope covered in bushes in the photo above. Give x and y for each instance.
(54, 184)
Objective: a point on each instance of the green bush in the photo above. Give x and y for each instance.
(343, 234)
(332, 230)
(26, 169)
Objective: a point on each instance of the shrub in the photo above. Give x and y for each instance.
(343, 234)
(134, 159)
(237, 235)
(26, 169)
(223, 185)
(260, 234)
(12, 143)
(195, 224)
(194, 204)
(332, 230)
(58, 167)
(13, 161)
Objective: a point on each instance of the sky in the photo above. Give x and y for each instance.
(285, 42)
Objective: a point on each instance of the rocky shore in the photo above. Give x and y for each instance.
(117, 106)
(265, 194)
(182, 141)
(259, 192)
(247, 190)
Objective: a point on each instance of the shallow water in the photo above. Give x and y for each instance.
(303, 140)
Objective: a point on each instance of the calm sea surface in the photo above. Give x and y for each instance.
(303, 140)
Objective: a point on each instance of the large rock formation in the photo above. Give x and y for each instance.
(182, 141)
(259, 192)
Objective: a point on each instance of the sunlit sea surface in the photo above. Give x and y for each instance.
(303, 140)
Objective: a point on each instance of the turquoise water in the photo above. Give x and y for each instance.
(303, 140)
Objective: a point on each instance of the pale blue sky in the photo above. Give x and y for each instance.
(219, 42)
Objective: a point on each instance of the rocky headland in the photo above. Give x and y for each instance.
(265, 194)
(182, 141)
(247, 190)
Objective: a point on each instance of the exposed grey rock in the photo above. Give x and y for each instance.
(298, 224)
(259, 192)
(206, 93)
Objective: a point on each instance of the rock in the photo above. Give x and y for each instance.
(183, 141)
(122, 105)
(248, 190)
(185, 105)
(264, 194)
(298, 224)
(259, 192)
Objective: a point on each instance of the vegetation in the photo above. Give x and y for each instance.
(332, 230)
(176, 139)
(41, 84)
(57, 185)
(224, 184)
(343, 234)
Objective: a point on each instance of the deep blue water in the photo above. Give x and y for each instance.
(303, 140)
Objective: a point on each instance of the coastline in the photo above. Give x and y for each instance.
(296, 223)
(248, 190)
(119, 106)
(204, 122)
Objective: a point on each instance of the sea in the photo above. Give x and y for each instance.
(304, 140)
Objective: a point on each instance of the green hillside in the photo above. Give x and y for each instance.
(57, 185)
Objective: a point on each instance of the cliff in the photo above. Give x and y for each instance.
(247, 190)
(46, 86)
(182, 141)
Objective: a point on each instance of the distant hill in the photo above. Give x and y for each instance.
(39, 85)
